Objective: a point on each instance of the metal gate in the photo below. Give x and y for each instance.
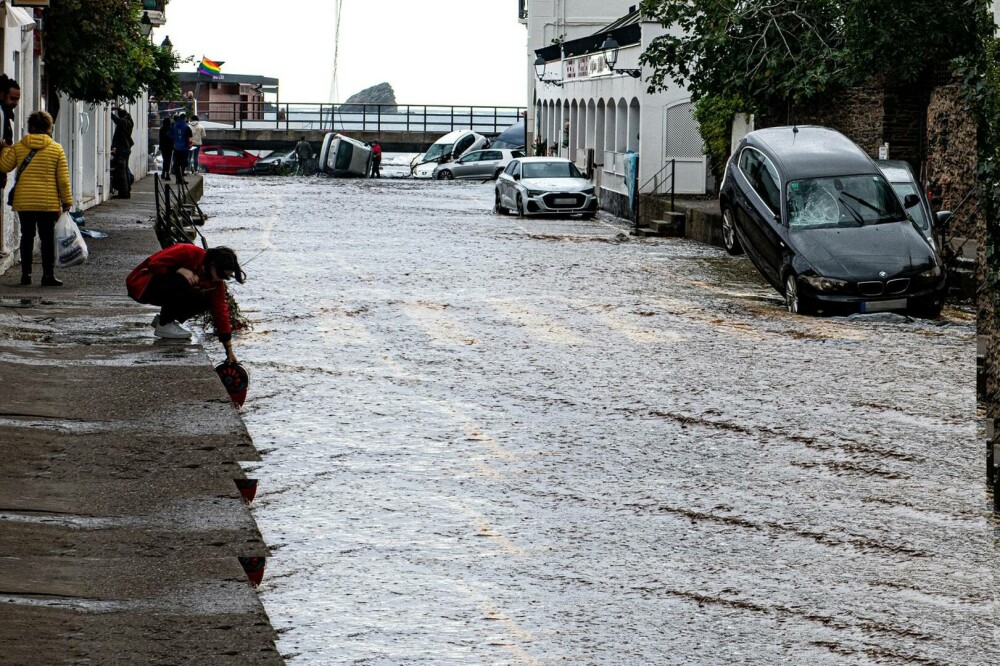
(683, 143)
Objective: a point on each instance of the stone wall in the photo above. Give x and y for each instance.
(951, 156)
(615, 203)
(858, 113)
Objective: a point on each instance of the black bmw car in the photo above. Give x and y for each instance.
(818, 219)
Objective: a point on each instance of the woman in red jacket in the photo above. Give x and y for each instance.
(185, 280)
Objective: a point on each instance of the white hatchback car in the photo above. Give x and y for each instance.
(449, 147)
(545, 186)
(477, 165)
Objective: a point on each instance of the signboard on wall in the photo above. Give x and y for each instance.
(584, 67)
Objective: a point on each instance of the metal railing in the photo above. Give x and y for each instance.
(344, 117)
(659, 180)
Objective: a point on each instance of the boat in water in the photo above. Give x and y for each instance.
(344, 157)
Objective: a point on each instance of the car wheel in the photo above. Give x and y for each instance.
(445, 175)
(794, 301)
(520, 206)
(499, 207)
(729, 239)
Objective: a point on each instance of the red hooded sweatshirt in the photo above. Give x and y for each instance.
(191, 257)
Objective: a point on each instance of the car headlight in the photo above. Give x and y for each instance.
(820, 283)
(589, 190)
(932, 273)
(535, 193)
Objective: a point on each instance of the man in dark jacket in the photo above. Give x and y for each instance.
(10, 95)
(167, 144)
(182, 146)
(121, 150)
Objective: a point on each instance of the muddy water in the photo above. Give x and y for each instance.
(489, 440)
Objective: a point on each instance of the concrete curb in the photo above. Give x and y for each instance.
(121, 521)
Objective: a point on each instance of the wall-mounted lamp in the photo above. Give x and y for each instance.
(146, 25)
(540, 71)
(610, 48)
(166, 44)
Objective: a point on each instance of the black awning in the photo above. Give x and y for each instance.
(625, 36)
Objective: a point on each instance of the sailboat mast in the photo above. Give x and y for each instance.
(334, 92)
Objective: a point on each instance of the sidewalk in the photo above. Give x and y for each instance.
(120, 523)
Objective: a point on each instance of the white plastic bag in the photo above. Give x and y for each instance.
(71, 250)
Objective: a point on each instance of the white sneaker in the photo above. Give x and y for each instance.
(155, 322)
(172, 331)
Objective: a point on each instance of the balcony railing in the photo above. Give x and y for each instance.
(345, 117)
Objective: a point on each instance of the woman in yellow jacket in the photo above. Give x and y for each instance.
(41, 192)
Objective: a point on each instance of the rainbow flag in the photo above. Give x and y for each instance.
(210, 68)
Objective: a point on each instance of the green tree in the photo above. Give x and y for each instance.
(773, 53)
(95, 52)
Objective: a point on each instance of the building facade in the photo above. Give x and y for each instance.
(84, 130)
(595, 115)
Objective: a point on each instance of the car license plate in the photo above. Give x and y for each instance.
(883, 306)
(565, 200)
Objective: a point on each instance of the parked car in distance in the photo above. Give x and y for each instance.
(544, 186)
(821, 223)
(477, 165)
(277, 161)
(220, 159)
(900, 176)
(448, 148)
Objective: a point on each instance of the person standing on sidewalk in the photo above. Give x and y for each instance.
(185, 280)
(197, 137)
(182, 145)
(121, 150)
(42, 191)
(167, 144)
(10, 96)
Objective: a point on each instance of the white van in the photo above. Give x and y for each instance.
(449, 147)
(344, 156)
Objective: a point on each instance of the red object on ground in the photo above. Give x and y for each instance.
(236, 380)
(254, 568)
(247, 488)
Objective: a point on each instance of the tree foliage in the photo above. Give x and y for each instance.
(769, 52)
(95, 52)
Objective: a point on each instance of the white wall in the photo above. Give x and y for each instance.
(633, 119)
(20, 64)
(85, 133)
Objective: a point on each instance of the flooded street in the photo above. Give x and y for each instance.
(505, 441)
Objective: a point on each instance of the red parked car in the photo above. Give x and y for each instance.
(218, 159)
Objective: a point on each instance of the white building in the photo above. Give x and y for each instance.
(581, 105)
(83, 130)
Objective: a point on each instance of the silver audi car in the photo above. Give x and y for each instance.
(545, 186)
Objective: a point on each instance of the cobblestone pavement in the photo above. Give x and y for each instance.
(495, 440)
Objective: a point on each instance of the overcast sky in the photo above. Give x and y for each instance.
(451, 52)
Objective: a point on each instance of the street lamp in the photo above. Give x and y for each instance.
(540, 71)
(166, 44)
(610, 48)
(146, 25)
